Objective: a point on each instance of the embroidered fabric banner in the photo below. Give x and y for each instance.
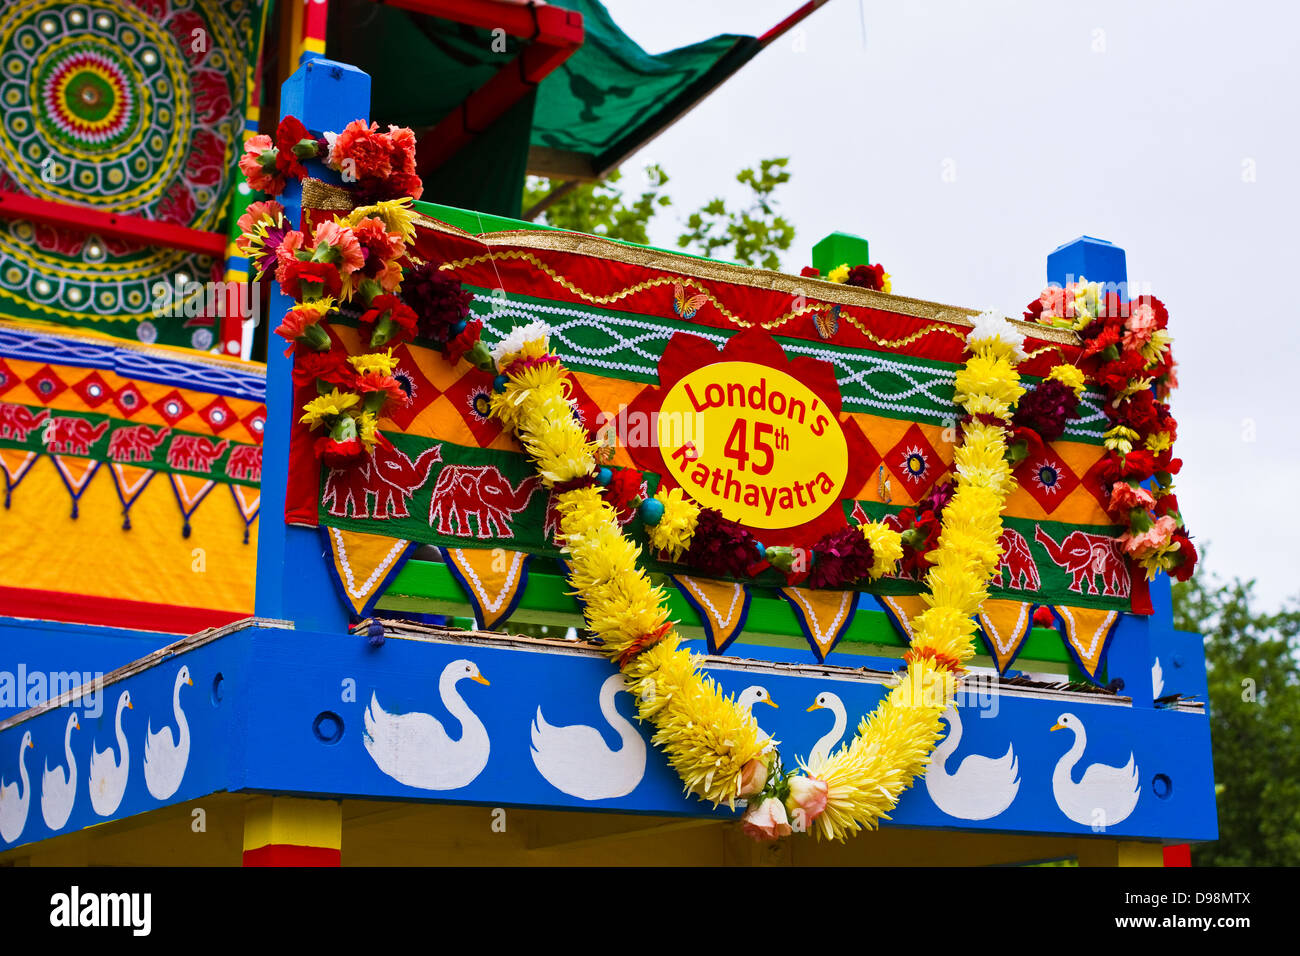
(363, 565)
(658, 343)
(112, 456)
(722, 606)
(1004, 626)
(825, 616)
(1087, 635)
(494, 581)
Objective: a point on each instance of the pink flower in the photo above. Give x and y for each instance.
(1053, 300)
(753, 777)
(1152, 539)
(362, 151)
(270, 210)
(290, 244)
(340, 238)
(807, 799)
(1140, 326)
(767, 821)
(1125, 497)
(258, 165)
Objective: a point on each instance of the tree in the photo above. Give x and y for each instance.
(1254, 687)
(754, 234)
(600, 208)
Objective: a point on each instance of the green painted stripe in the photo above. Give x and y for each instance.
(428, 587)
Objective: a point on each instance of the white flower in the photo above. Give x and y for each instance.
(329, 156)
(993, 325)
(518, 337)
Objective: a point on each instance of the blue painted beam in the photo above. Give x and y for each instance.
(296, 711)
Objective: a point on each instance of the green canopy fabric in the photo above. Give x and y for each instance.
(601, 104)
(611, 96)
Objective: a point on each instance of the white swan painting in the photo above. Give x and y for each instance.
(108, 772)
(1157, 680)
(1105, 796)
(414, 749)
(165, 756)
(756, 694)
(15, 802)
(980, 788)
(827, 700)
(59, 789)
(577, 761)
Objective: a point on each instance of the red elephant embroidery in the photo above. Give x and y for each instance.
(71, 436)
(17, 421)
(136, 443)
(480, 492)
(387, 476)
(1017, 561)
(1086, 556)
(245, 463)
(194, 452)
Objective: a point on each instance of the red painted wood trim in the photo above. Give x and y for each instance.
(544, 24)
(111, 612)
(315, 20)
(1179, 855)
(777, 31)
(287, 854)
(554, 34)
(118, 225)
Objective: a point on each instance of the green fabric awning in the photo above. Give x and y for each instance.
(598, 107)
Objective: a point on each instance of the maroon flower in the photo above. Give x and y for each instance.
(438, 300)
(721, 546)
(1047, 409)
(867, 277)
(842, 558)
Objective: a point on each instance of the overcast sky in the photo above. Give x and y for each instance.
(1168, 128)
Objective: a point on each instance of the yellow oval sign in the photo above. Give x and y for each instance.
(753, 442)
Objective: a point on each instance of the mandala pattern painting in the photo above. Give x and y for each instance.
(133, 108)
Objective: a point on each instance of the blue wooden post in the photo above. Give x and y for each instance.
(293, 577)
(1130, 656)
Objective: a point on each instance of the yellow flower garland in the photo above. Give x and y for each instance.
(706, 737)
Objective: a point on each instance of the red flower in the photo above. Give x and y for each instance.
(362, 152)
(373, 385)
(1043, 617)
(624, 492)
(1139, 411)
(293, 273)
(289, 134)
(458, 345)
(340, 454)
(330, 367)
(389, 318)
(1099, 336)
(811, 272)
(1186, 557)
